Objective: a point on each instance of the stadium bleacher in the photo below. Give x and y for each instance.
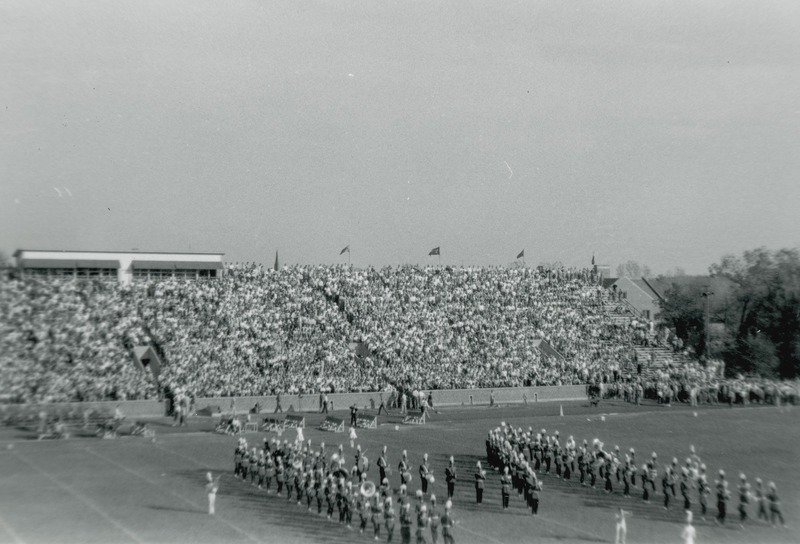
(258, 331)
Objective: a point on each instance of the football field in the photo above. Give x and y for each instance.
(134, 489)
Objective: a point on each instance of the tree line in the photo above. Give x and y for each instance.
(754, 325)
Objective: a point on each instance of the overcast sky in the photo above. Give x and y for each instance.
(663, 132)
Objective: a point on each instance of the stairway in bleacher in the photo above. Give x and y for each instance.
(618, 313)
(653, 359)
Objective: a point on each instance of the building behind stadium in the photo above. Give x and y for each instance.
(123, 266)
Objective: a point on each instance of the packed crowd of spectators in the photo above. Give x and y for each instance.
(65, 340)
(302, 329)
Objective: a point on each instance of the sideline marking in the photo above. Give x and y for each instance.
(4, 524)
(82, 498)
(157, 484)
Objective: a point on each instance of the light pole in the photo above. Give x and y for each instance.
(707, 294)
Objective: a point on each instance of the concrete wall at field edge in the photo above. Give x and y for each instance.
(341, 401)
(441, 397)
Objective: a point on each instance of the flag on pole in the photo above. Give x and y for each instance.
(346, 249)
(521, 254)
(434, 251)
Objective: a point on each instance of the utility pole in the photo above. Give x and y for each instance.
(707, 294)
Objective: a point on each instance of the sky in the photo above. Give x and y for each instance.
(662, 132)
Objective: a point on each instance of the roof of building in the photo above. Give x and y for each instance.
(69, 263)
(132, 252)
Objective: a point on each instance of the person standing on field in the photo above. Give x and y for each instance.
(211, 491)
(622, 526)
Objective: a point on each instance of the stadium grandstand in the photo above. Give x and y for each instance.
(301, 329)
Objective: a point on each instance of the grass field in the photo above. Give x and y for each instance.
(135, 490)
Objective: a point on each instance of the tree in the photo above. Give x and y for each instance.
(766, 331)
(683, 311)
(632, 269)
(676, 272)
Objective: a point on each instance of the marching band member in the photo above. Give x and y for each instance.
(557, 453)
(402, 468)
(319, 489)
(761, 500)
(289, 472)
(308, 489)
(362, 507)
(420, 501)
(330, 495)
(744, 498)
(582, 454)
(480, 479)
(645, 483)
(628, 475)
(377, 511)
(537, 486)
(546, 452)
(666, 481)
(774, 505)
(382, 464)
(435, 520)
(388, 517)
(347, 505)
(280, 474)
(253, 467)
(505, 483)
(269, 472)
(262, 469)
(722, 497)
(245, 462)
(673, 473)
(652, 469)
(450, 477)
(703, 491)
(685, 483)
(447, 523)
(568, 460)
(405, 523)
(422, 522)
(385, 489)
(424, 473)
(238, 456)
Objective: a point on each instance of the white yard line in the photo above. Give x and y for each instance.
(10, 530)
(130, 534)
